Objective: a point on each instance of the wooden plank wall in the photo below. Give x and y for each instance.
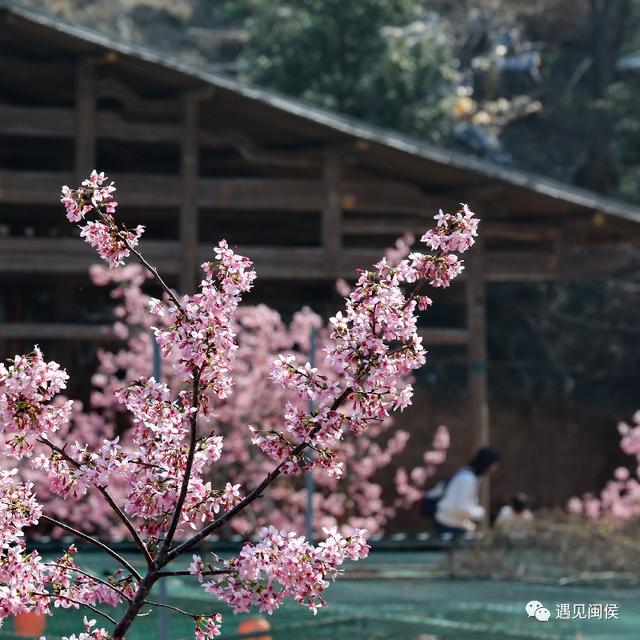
(351, 205)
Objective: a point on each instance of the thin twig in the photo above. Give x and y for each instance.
(153, 271)
(153, 603)
(94, 541)
(216, 572)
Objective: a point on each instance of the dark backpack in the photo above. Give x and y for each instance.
(433, 496)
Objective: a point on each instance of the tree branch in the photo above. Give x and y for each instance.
(193, 428)
(96, 542)
(153, 271)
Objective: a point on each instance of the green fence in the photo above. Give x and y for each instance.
(395, 596)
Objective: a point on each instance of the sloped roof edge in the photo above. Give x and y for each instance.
(338, 122)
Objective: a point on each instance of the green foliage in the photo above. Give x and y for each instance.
(379, 60)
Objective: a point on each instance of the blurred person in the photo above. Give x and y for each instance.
(458, 511)
(515, 520)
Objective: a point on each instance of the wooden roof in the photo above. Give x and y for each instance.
(275, 121)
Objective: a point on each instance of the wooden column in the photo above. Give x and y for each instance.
(477, 363)
(85, 120)
(332, 213)
(190, 194)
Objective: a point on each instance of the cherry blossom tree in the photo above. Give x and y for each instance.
(170, 507)
(619, 501)
(354, 500)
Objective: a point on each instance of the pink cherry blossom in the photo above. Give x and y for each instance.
(113, 242)
(208, 627)
(27, 387)
(199, 331)
(155, 479)
(283, 565)
(619, 500)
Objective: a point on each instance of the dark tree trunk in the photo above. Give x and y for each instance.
(609, 22)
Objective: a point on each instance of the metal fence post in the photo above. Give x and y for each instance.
(309, 483)
(163, 618)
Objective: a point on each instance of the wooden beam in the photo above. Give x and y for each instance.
(46, 122)
(60, 123)
(50, 122)
(383, 226)
(432, 336)
(138, 190)
(279, 263)
(261, 194)
(189, 196)
(85, 120)
(398, 225)
(133, 101)
(33, 71)
(477, 359)
(332, 212)
(521, 266)
(71, 255)
(56, 256)
(390, 198)
(56, 331)
(502, 266)
(232, 194)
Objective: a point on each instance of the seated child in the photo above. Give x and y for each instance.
(515, 520)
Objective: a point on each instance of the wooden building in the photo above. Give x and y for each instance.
(309, 195)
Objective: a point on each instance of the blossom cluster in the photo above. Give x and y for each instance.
(90, 632)
(454, 232)
(373, 346)
(619, 500)
(21, 575)
(207, 627)
(157, 464)
(113, 242)
(281, 565)
(20, 508)
(354, 500)
(27, 387)
(200, 328)
(29, 584)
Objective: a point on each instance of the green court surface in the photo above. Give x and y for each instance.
(397, 596)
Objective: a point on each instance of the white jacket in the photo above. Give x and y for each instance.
(459, 506)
